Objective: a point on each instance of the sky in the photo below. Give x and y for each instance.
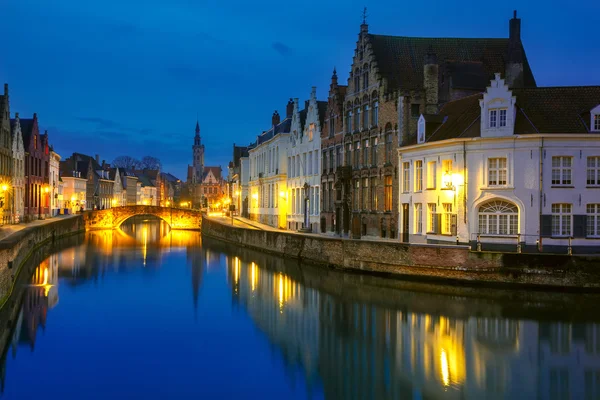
(131, 76)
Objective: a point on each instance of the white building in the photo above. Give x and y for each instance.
(506, 166)
(239, 170)
(54, 177)
(304, 175)
(74, 189)
(268, 169)
(18, 176)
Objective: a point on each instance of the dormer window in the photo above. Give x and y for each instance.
(596, 127)
(497, 118)
(493, 118)
(595, 119)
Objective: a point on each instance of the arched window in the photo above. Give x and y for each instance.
(498, 217)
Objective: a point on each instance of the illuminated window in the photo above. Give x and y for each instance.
(311, 131)
(418, 176)
(561, 170)
(405, 177)
(418, 218)
(447, 219)
(374, 194)
(388, 193)
(431, 175)
(431, 218)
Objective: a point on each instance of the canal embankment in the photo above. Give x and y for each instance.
(20, 245)
(422, 262)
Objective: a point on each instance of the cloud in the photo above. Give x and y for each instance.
(281, 48)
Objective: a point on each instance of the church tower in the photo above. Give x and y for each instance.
(198, 154)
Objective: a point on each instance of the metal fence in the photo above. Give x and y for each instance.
(519, 243)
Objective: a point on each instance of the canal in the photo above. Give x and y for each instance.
(144, 312)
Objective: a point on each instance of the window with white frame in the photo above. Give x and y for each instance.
(497, 171)
(418, 175)
(593, 171)
(405, 177)
(431, 167)
(493, 121)
(446, 174)
(431, 217)
(418, 218)
(502, 121)
(561, 219)
(447, 219)
(498, 217)
(561, 170)
(593, 220)
(596, 126)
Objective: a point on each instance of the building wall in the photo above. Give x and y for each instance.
(6, 155)
(18, 178)
(53, 176)
(303, 166)
(268, 170)
(37, 197)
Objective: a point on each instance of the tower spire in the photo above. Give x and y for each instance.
(197, 127)
(364, 15)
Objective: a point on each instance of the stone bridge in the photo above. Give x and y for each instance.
(177, 218)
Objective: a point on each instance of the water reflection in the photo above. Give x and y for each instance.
(359, 350)
(338, 336)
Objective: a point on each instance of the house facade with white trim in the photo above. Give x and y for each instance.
(304, 174)
(506, 167)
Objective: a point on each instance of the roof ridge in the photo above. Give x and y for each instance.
(558, 87)
(443, 37)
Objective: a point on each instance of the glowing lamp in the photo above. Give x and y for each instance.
(4, 188)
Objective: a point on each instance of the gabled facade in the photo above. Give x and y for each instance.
(504, 168)
(119, 194)
(393, 81)
(335, 172)
(212, 187)
(6, 163)
(37, 157)
(130, 187)
(239, 175)
(268, 172)
(54, 182)
(18, 171)
(304, 173)
(74, 186)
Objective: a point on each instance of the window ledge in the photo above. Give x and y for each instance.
(431, 188)
(592, 187)
(499, 187)
(493, 235)
(562, 187)
(560, 237)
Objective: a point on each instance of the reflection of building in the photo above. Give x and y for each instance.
(362, 350)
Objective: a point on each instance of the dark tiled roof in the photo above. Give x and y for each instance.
(215, 170)
(467, 75)
(170, 177)
(400, 59)
(460, 118)
(26, 131)
(555, 109)
(283, 127)
(322, 109)
(302, 114)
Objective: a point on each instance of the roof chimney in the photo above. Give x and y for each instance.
(515, 60)
(98, 158)
(514, 31)
(6, 88)
(289, 109)
(275, 119)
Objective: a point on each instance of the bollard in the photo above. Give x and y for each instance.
(518, 243)
(478, 242)
(570, 249)
(457, 240)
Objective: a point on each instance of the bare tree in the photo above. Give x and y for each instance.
(149, 162)
(126, 162)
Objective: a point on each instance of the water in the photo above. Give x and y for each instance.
(146, 313)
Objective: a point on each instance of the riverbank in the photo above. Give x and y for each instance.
(17, 248)
(456, 265)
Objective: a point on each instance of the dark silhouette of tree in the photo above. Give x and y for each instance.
(149, 162)
(127, 163)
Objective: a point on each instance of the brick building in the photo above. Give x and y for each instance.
(37, 157)
(6, 163)
(393, 80)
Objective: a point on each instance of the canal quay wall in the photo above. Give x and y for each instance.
(423, 262)
(17, 248)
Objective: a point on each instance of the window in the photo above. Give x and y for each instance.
(418, 218)
(311, 131)
(502, 118)
(331, 198)
(365, 194)
(593, 171)
(493, 118)
(431, 167)
(374, 194)
(365, 78)
(356, 154)
(593, 220)
(447, 219)
(316, 159)
(356, 194)
(405, 177)
(374, 151)
(366, 117)
(388, 193)
(365, 161)
(431, 218)
(418, 175)
(349, 121)
(375, 114)
(596, 122)
(357, 118)
(348, 154)
(561, 170)
(388, 148)
(446, 174)
(415, 110)
(310, 163)
(559, 383)
(496, 171)
(498, 217)
(324, 163)
(331, 160)
(561, 219)
(338, 156)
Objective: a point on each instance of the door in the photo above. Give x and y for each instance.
(405, 226)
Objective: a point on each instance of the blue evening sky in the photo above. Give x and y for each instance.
(129, 76)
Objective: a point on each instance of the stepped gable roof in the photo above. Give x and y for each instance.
(283, 127)
(26, 130)
(216, 171)
(400, 59)
(563, 109)
(544, 110)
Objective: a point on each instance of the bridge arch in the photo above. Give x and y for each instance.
(177, 218)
